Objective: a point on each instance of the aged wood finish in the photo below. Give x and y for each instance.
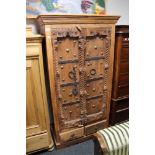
(120, 93)
(79, 54)
(37, 122)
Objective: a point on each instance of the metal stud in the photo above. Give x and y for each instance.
(67, 50)
(101, 53)
(95, 47)
(93, 106)
(88, 85)
(74, 41)
(62, 67)
(74, 55)
(70, 94)
(63, 79)
(106, 66)
(75, 66)
(87, 54)
(60, 57)
(105, 87)
(88, 64)
(60, 97)
(70, 112)
(94, 89)
(63, 89)
(65, 108)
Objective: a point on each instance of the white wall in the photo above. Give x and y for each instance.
(33, 24)
(118, 7)
(113, 7)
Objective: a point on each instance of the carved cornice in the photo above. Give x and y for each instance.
(76, 19)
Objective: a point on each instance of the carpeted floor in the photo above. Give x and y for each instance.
(84, 148)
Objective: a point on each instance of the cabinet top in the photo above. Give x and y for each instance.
(51, 19)
(30, 37)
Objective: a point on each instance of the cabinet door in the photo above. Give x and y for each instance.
(96, 65)
(81, 59)
(65, 42)
(36, 129)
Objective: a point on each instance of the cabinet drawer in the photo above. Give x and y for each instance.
(122, 115)
(125, 53)
(119, 111)
(124, 67)
(123, 79)
(123, 90)
(89, 129)
(72, 134)
(122, 104)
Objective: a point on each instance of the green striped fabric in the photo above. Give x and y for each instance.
(117, 139)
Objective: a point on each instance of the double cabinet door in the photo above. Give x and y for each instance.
(81, 63)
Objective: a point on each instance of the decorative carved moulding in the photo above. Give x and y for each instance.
(79, 58)
(76, 19)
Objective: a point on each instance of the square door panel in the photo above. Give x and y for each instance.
(67, 72)
(67, 49)
(94, 105)
(95, 46)
(68, 94)
(94, 68)
(71, 111)
(94, 88)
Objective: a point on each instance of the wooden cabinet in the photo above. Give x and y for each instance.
(120, 92)
(37, 123)
(79, 54)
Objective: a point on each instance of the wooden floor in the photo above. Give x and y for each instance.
(84, 148)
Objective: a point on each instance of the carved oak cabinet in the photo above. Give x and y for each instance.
(37, 124)
(79, 54)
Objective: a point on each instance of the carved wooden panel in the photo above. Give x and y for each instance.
(95, 105)
(97, 62)
(66, 57)
(81, 64)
